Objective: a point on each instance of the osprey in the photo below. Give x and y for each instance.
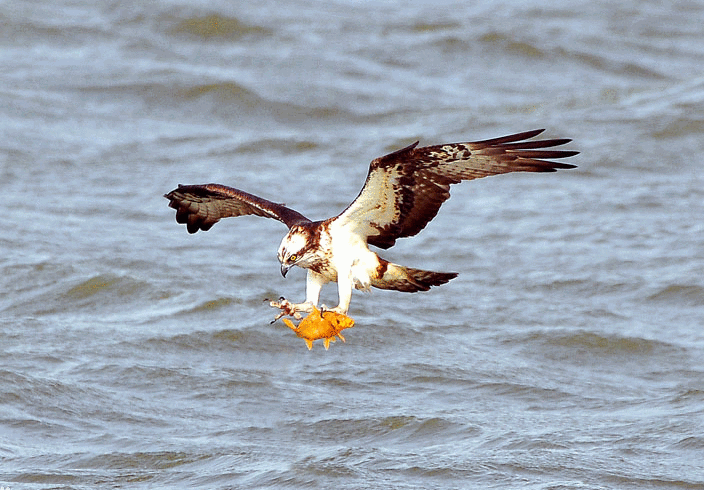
(402, 193)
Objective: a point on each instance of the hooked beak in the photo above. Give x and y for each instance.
(284, 269)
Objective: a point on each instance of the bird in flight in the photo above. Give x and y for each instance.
(403, 192)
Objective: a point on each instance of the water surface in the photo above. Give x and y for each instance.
(567, 354)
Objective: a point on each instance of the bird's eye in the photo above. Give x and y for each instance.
(293, 258)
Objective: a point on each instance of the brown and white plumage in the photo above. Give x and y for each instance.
(405, 189)
(403, 192)
(199, 207)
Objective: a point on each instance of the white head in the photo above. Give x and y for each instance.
(295, 249)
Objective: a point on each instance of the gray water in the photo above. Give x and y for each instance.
(568, 354)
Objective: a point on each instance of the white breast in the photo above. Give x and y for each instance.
(352, 258)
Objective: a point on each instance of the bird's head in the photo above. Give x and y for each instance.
(295, 249)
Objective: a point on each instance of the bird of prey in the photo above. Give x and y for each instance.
(403, 191)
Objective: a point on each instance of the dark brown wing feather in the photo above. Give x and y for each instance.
(199, 207)
(405, 189)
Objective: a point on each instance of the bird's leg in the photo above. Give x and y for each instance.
(285, 307)
(344, 291)
(290, 309)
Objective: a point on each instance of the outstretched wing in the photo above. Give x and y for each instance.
(199, 207)
(405, 189)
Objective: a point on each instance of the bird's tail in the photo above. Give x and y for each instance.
(408, 280)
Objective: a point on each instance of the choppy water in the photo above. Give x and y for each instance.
(569, 353)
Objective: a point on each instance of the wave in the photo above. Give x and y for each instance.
(228, 100)
(679, 294)
(217, 27)
(398, 428)
(513, 46)
(536, 49)
(50, 289)
(608, 344)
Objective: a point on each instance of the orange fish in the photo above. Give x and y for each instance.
(319, 325)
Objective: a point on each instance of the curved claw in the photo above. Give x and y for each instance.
(336, 309)
(282, 313)
(287, 308)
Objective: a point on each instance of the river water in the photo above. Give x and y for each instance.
(568, 354)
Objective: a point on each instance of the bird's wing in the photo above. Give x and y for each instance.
(405, 189)
(199, 207)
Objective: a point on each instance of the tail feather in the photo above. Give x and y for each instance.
(408, 280)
